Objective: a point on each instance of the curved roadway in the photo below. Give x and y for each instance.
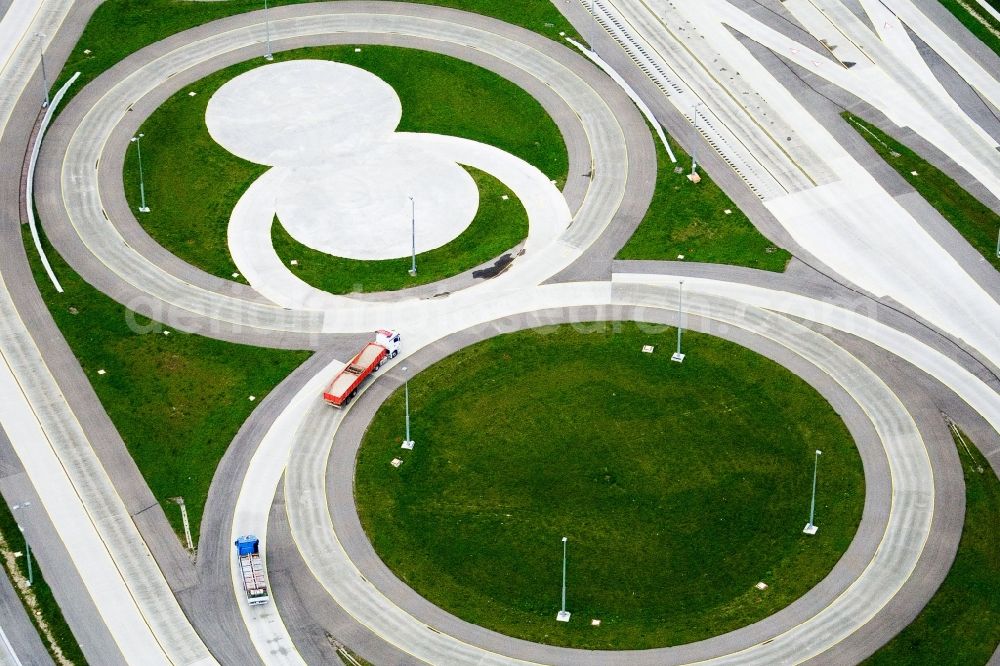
(80, 203)
(79, 152)
(891, 553)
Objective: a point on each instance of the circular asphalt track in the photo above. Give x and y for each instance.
(897, 518)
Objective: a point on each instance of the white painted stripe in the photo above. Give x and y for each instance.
(643, 107)
(29, 195)
(7, 656)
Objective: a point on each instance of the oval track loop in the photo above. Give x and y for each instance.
(86, 229)
(893, 555)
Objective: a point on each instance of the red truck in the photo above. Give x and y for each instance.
(345, 384)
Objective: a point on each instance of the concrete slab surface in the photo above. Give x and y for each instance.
(302, 112)
(250, 224)
(358, 206)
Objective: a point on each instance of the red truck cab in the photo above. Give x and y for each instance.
(346, 383)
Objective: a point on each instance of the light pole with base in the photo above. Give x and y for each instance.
(694, 146)
(143, 208)
(678, 356)
(41, 56)
(267, 31)
(27, 546)
(27, 553)
(563, 614)
(407, 443)
(811, 526)
(413, 238)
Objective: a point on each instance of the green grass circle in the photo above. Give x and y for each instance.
(192, 184)
(679, 486)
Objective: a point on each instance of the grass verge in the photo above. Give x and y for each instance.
(499, 225)
(679, 486)
(960, 626)
(192, 183)
(691, 220)
(977, 20)
(348, 658)
(119, 28)
(36, 598)
(176, 399)
(977, 223)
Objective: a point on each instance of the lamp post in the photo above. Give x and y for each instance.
(998, 243)
(407, 443)
(27, 547)
(678, 356)
(41, 56)
(27, 553)
(267, 32)
(694, 146)
(413, 238)
(810, 526)
(143, 208)
(563, 614)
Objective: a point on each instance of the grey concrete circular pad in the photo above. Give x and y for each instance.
(302, 112)
(359, 207)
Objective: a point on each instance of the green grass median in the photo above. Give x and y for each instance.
(979, 21)
(176, 399)
(679, 486)
(692, 221)
(977, 223)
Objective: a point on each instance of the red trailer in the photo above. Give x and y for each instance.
(345, 384)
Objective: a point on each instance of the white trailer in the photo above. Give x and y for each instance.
(252, 569)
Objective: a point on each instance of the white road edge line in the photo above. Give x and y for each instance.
(29, 199)
(643, 107)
